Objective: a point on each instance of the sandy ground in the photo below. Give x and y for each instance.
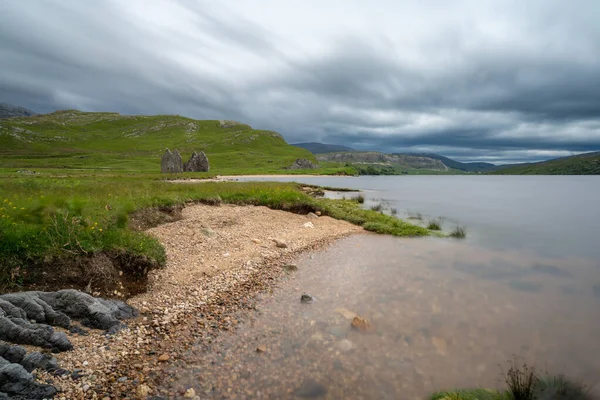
(234, 178)
(217, 259)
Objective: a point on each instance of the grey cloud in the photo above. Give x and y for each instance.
(522, 84)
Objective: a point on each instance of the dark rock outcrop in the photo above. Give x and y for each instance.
(28, 317)
(198, 162)
(171, 162)
(302, 163)
(16, 380)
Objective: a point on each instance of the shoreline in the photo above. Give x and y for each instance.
(235, 178)
(218, 261)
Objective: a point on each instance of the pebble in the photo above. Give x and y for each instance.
(306, 298)
(261, 349)
(190, 393)
(163, 357)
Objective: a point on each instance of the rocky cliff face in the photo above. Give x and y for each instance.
(372, 157)
(9, 111)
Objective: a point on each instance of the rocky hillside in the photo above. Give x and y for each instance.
(9, 111)
(74, 139)
(407, 161)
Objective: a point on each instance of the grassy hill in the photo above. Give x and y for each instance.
(110, 141)
(319, 148)
(376, 163)
(466, 167)
(583, 164)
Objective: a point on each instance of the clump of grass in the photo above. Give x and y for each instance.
(417, 216)
(521, 381)
(377, 207)
(435, 224)
(360, 199)
(459, 232)
(394, 211)
(560, 387)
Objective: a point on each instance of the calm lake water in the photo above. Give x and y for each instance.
(446, 313)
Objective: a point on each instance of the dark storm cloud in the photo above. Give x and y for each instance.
(501, 82)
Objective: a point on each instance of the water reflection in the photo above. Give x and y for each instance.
(446, 314)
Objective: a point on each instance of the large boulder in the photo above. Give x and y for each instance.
(171, 162)
(28, 317)
(302, 163)
(198, 163)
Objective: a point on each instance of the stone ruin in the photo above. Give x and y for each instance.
(171, 162)
(198, 163)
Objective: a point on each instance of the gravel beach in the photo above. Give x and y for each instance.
(218, 259)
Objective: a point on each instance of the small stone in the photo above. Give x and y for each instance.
(313, 215)
(318, 213)
(143, 391)
(361, 324)
(280, 243)
(309, 225)
(261, 349)
(306, 298)
(163, 357)
(290, 267)
(208, 232)
(86, 388)
(310, 389)
(190, 393)
(257, 241)
(85, 363)
(122, 379)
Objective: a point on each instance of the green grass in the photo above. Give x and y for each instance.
(74, 140)
(523, 382)
(45, 216)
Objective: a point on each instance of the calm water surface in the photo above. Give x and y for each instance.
(447, 313)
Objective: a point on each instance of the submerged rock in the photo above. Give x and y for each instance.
(361, 324)
(306, 298)
(311, 388)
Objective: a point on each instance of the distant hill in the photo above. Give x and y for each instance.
(74, 139)
(9, 111)
(582, 164)
(399, 162)
(319, 148)
(467, 167)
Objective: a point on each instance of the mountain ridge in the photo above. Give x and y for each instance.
(11, 111)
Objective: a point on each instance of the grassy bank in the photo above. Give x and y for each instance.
(524, 382)
(48, 225)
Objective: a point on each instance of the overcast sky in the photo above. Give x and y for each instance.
(495, 81)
